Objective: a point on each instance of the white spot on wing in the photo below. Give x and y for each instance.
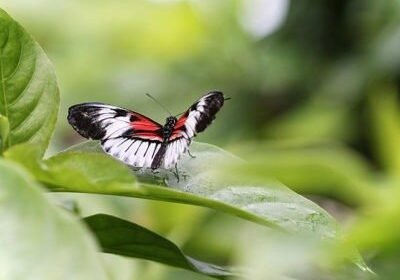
(156, 149)
(131, 153)
(108, 144)
(105, 110)
(190, 124)
(182, 146)
(172, 154)
(139, 154)
(149, 154)
(177, 151)
(168, 155)
(104, 116)
(184, 134)
(200, 108)
(116, 129)
(122, 148)
(114, 151)
(144, 154)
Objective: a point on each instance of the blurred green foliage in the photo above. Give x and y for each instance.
(315, 104)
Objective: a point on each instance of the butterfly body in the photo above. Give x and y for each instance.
(139, 141)
(167, 130)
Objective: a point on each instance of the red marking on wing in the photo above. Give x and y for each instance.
(144, 123)
(178, 128)
(146, 128)
(181, 121)
(148, 135)
(175, 135)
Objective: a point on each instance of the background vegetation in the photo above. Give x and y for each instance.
(314, 89)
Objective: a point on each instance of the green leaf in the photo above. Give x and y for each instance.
(87, 172)
(330, 170)
(29, 96)
(85, 169)
(125, 238)
(39, 240)
(4, 131)
(385, 130)
(274, 205)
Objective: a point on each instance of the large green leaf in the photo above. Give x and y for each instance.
(84, 168)
(125, 238)
(330, 170)
(39, 240)
(28, 91)
(4, 131)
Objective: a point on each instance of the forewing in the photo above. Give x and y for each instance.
(198, 116)
(193, 121)
(126, 135)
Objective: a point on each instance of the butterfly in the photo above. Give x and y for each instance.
(139, 141)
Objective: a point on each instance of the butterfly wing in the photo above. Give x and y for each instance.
(126, 135)
(194, 120)
(169, 153)
(198, 116)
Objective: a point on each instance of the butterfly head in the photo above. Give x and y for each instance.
(171, 120)
(168, 127)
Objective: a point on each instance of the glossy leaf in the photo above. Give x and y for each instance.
(29, 96)
(39, 240)
(86, 169)
(118, 236)
(79, 170)
(330, 170)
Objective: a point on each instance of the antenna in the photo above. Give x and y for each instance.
(156, 101)
(180, 113)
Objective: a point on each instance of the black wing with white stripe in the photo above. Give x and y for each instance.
(194, 120)
(198, 116)
(126, 135)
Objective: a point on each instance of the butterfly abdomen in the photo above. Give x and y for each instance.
(158, 158)
(167, 131)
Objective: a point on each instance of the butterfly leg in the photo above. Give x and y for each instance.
(159, 176)
(176, 173)
(155, 171)
(192, 156)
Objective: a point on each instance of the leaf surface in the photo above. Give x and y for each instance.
(271, 204)
(4, 131)
(39, 240)
(29, 96)
(118, 236)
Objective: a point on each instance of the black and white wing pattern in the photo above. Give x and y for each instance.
(136, 139)
(198, 116)
(194, 120)
(126, 135)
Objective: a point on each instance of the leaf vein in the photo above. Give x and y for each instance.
(31, 113)
(18, 64)
(19, 96)
(2, 81)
